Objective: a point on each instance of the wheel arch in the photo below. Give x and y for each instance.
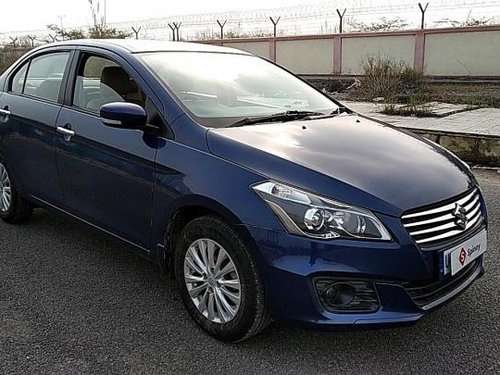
(187, 209)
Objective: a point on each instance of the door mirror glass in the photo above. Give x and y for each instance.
(123, 115)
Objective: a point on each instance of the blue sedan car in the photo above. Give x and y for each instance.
(265, 198)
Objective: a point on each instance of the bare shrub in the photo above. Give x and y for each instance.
(389, 79)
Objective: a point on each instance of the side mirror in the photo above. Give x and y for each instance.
(123, 115)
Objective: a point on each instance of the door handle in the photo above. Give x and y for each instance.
(4, 114)
(67, 133)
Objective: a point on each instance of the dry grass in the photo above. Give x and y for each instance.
(483, 95)
(388, 79)
(397, 84)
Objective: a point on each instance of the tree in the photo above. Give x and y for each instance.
(105, 32)
(66, 34)
(99, 30)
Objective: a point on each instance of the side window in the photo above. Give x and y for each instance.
(101, 81)
(17, 83)
(45, 76)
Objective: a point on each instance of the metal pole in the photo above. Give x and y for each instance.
(341, 16)
(32, 39)
(105, 12)
(172, 27)
(177, 27)
(275, 24)
(422, 10)
(136, 31)
(221, 25)
(14, 41)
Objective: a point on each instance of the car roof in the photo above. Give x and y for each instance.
(138, 46)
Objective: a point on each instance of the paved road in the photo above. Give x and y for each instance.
(72, 301)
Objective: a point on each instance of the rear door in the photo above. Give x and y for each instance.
(107, 174)
(28, 113)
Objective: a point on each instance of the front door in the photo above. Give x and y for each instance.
(106, 174)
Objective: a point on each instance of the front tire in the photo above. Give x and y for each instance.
(13, 208)
(218, 280)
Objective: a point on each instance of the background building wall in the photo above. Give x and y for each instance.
(463, 54)
(392, 47)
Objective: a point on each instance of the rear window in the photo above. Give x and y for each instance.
(42, 76)
(17, 83)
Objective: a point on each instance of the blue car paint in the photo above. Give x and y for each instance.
(360, 155)
(124, 167)
(31, 127)
(130, 184)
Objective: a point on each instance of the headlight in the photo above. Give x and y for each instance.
(309, 215)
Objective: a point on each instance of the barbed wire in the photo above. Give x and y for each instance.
(318, 18)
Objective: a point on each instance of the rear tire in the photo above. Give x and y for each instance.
(14, 208)
(238, 308)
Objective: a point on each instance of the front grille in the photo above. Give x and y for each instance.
(430, 225)
(424, 294)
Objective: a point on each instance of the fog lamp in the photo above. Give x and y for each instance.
(340, 294)
(347, 296)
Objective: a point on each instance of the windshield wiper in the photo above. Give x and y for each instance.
(289, 116)
(334, 113)
(282, 117)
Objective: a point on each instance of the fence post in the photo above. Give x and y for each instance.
(177, 27)
(136, 31)
(14, 41)
(221, 25)
(422, 10)
(272, 49)
(419, 59)
(32, 39)
(341, 17)
(172, 27)
(337, 55)
(275, 24)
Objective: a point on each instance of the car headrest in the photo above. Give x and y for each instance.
(49, 89)
(117, 79)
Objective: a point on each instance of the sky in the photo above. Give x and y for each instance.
(31, 17)
(36, 14)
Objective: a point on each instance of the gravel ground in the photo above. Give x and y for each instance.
(72, 301)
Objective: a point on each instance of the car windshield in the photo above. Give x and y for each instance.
(219, 88)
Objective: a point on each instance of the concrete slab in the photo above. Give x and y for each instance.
(473, 135)
(482, 121)
(446, 109)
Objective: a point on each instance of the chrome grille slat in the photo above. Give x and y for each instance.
(447, 217)
(444, 226)
(452, 233)
(439, 223)
(447, 207)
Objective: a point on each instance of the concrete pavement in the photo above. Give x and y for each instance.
(481, 121)
(472, 135)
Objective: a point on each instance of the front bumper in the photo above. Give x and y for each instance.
(404, 277)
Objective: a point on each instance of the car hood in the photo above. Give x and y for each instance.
(348, 158)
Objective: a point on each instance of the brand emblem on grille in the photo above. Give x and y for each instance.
(461, 216)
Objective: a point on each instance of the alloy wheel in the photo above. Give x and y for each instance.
(212, 281)
(5, 189)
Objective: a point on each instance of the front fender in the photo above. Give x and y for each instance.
(188, 177)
